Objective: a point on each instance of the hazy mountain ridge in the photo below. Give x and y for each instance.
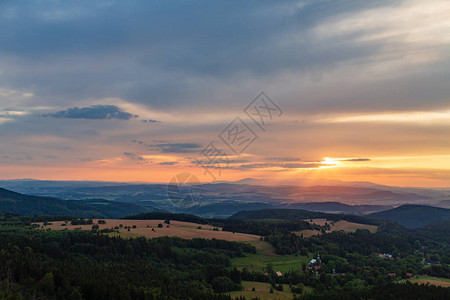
(222, 199)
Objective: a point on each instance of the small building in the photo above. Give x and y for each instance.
(383, 255)
(409, 275)
(392, 275)
(312, 261)
(278, 273)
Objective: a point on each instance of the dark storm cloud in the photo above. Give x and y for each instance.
(96, 112)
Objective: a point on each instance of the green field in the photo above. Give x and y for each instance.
(265, 255)
(445, 282)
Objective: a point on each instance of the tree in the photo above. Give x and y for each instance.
(47, 284)
(223, 284)
(75, 294)
(269, 268)
(298, 289)
(235, 275)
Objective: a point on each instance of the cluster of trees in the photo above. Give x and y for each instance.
(265, 227)
(82, 221)
(287, 243)
(276, 233)
(299, 214)
(168, 217)
(358, 290)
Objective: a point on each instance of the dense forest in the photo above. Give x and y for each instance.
(87, 265)
(36, 264)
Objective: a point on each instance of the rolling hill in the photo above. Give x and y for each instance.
(12, 202)
(413, 216)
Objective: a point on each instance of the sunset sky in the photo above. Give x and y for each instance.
(135, 90)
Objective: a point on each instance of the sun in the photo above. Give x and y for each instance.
(328, 162)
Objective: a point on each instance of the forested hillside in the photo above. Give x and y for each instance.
(413, 216)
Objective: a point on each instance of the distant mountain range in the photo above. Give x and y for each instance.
(410, 216)
(223, 199)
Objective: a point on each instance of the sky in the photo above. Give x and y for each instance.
(145, 90)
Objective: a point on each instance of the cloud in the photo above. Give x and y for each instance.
(168, 163)
(329, 66)
(168, 147)
(189, 65)
(302, 166)
(51, 156)
(16, 158)
(441, 117)
(281, 159)
(284, 166)
(356, 159)
(96, 112)
(150, 121)
(178, 147)
(133, 156)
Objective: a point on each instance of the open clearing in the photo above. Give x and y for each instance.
(444, 282)
(176, 228)
(343, 225)
(262, 291)
(265, 254)
(351, 227)
(258, 262)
